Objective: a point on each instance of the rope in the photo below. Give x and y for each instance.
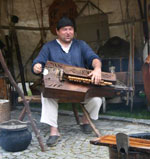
(35, 9)
(0, 11)
(90, 4)
(43, 34)
(9, 7)
(126, 34)
(127, 14)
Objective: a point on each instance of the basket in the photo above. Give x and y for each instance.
(4, 110)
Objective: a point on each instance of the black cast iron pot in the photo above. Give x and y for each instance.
(14, 136)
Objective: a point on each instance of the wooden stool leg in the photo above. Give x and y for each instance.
(76, 113)
(22, 114)
(104, 104)
(90, 122)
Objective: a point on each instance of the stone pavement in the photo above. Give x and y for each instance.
(74, 144)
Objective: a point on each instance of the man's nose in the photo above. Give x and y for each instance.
(68, 31)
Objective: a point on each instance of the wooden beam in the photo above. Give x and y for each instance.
(47, 28)
(126, 22)
(24, 28)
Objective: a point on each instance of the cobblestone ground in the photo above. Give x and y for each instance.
(74, 144)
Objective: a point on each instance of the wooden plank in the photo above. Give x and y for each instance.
(35, 98)
(137, 144)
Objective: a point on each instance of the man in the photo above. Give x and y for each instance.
(67, 50)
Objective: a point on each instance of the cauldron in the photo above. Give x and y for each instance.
(14, 136)
(113, 153)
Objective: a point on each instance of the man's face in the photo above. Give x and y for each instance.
(65, 34)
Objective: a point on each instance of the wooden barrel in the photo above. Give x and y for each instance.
(4, 110)
(113, 154)
(4, 88)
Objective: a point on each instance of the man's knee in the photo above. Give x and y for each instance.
(97, 101)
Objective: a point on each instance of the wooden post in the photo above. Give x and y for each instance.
(15, 38)
(75, 113)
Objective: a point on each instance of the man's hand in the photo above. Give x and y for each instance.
(95, 76)
(96, 73)
(37, 68)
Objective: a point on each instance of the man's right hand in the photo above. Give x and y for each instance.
(37, 68)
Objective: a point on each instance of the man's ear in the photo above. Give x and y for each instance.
(56, 31)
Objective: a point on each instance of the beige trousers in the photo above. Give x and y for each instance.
(49, 113)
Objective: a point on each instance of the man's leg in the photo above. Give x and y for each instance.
(93, 106)
(49, 116)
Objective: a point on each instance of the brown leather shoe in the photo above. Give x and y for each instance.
(53, 140)
(86, 128)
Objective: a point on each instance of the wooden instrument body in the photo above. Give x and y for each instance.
(73, 92)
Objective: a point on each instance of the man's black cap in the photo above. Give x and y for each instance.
(65, 21)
